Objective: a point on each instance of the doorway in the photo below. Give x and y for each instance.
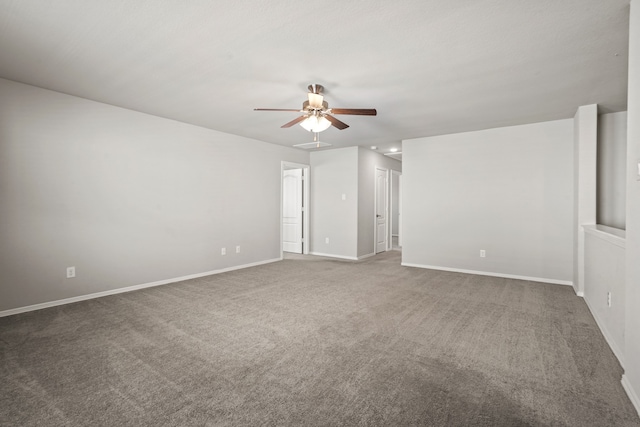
(381, 210)
(294, 222)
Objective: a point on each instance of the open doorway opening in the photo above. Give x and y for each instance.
(294, 212)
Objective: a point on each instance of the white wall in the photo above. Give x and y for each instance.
(605, 273)
(585, 146)
(612, 168)
(395, 204)
(368, 160)
(127, 198)
(508, 191)
(334, 173)
(631, 379)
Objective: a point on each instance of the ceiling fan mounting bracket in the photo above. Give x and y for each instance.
(316, 88)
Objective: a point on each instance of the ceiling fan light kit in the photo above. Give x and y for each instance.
(317, 116)
(315, 123)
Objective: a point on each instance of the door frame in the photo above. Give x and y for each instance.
(306, 239)
(386, 209)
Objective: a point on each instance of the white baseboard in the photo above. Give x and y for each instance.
(128, 289)
(633, 396)
(366, 256)
(488, 273)
(607, 336)
(350, 258)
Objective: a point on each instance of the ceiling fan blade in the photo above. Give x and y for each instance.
(355, 111)
(277, 109)
(294, 122)
(336, 123)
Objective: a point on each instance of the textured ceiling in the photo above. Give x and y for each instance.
(430, 67)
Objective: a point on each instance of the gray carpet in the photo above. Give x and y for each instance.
(315, 342)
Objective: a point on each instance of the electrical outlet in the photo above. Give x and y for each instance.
(238, 249)
(223, 251)
(608, 299)
(71, 272)
(483, 253)
(326, 240)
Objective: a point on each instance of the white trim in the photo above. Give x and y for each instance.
(612, 235)
(40, 306)
(351, 258)
(366, 256)
(607, 336)
(488, 273)
(633, 396)
(578, 293)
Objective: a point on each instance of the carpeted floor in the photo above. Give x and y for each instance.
(315, 342)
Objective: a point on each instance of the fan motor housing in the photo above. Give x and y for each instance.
(307, 107)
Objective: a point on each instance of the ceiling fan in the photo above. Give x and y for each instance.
(316, 114)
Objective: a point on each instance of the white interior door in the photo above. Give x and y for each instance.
(292, 211)
(400, 210)
(381, 210)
